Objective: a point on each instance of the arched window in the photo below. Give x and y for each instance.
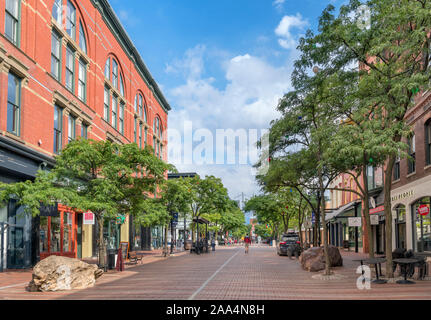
(82, 41)
(118, 104)
(108, 69)
(115, 73)
(140, 106)
(157, 137)
(71, 19)
(412, 155)
(428, 142)
(57, 11)
(121, 85)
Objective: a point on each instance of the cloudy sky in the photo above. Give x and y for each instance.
(221, 64)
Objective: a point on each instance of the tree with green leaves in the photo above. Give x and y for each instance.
(98, 176)
(175, 197)
(393, 52)
(207, 196)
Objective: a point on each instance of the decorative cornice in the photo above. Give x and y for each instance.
(120, 34)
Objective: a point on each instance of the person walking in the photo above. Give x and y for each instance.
(247, 242)
(213, 244)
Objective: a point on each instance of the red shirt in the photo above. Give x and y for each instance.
(247, 240)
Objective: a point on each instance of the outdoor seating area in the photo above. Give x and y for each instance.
(405, 263)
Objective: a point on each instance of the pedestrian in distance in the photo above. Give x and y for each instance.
(213, 244)
(247, 242)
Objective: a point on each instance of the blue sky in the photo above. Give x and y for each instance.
(220, 63)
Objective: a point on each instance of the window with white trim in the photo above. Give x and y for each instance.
(82, 80)
(71, 20)
(12, 20)
(13, 104)
(56, 55)
(70, 68)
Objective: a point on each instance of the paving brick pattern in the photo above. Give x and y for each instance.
(230, 274)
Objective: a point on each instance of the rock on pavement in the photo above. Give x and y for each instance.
(313, 259)
(57, 273)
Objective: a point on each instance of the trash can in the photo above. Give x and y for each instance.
(111, 258)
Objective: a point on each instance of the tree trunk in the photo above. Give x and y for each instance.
(366, 213)
(101, 242)
(325, 228)
(388, 216)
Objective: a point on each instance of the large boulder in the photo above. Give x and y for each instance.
(57, 273)
(313, 259)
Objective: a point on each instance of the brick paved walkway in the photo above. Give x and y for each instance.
(229, 274)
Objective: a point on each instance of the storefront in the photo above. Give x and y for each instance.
(157, 237)
(421, 225)
(58, 232)
(19, 247)
(140, 236)
(340, 229)
(411, 217)
(400, 227)
(378, 228)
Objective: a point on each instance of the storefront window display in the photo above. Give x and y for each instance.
(422, 225)
(67, 231)
(111, 234)
(55, 234)
(58, 233)
(156, 237)
(43, 234)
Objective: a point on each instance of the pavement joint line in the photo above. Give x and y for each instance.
(210, 278)
(14, 285)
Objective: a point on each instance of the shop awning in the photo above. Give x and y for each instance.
(201, 220)
(334, 213)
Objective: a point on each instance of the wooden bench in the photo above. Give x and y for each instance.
(134, 257)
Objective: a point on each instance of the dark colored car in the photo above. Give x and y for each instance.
(289, 245)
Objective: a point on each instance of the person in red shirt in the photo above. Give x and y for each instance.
(247, 242)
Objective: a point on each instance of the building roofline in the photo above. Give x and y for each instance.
(123, 38)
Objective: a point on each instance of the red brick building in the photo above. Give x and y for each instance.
(68, 69)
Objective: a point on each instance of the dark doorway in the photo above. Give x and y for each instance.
(18, 243)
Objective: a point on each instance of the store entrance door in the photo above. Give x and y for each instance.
(15, 252)
(401, 235)
(18, 242)
(380, 238)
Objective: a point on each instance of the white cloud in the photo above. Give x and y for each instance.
(248, 100)
(278, 4)
(284, 30)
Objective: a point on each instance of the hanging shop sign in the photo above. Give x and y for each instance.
(374, 220)
(424, 210)
(377, 210)
(355, 222)
(88, 217)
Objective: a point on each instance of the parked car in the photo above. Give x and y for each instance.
(289, 245)
(221, 242)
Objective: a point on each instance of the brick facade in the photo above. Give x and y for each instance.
(56, 60)
(30, 60)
